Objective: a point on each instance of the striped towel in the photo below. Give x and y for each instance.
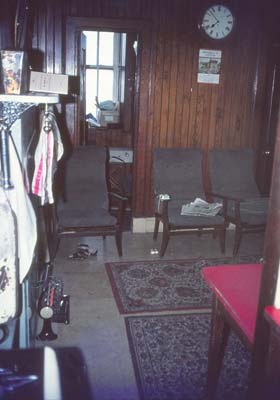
(48, 152)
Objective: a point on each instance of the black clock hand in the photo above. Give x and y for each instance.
(207, 27)
(212, 26)
(211, 12)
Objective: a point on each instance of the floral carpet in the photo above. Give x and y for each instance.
(152, 286)
(169, 354)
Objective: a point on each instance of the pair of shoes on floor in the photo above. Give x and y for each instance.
(82, 252)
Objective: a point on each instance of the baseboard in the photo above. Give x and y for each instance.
(146, 225)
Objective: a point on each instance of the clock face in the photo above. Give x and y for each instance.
(217, 22)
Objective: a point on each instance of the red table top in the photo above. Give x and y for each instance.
(237, 287)
(273, 314)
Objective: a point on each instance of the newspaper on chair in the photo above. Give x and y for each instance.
(200, 207)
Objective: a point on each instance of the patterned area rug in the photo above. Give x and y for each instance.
(148, 286)
(169, 354)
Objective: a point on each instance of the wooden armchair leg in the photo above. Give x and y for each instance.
(237, 239)
(222, 237)
(157, 221)
(165, 240)
(218, 341)
(118, 238)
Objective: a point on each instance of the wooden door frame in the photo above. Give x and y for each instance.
(268, 138)
(73, 27)
(82, 100)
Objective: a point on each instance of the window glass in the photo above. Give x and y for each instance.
(105, 70)
(106, 48)
(121, 86)
(91, 90)
(105, 85)
(123, 47)
(91, 52)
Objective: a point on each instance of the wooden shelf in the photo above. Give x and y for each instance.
(33, 98)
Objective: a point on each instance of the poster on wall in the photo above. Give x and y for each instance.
(209, 65)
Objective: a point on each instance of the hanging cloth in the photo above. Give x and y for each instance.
(8, 261)
(48, 152)
(24, 213)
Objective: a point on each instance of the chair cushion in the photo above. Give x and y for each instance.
(85, 176)
(237, 288)
(232, 172)
(175, 217)
(252, 211)
(177, 172)
(73, 217)
(86, 197)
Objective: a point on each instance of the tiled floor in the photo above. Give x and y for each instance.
(96, 326)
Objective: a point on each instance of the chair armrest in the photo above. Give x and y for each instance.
(226, 199)
(164, 210)
(118, 196)
(162, 196)
(161, 200)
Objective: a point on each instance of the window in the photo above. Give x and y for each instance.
(105, 68)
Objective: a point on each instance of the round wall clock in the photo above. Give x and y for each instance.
(217, 22)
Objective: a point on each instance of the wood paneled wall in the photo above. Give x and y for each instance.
(174, 110)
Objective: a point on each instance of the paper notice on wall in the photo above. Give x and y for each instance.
(48, 83)
(209, 65)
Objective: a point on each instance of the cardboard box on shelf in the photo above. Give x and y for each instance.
(105, 117)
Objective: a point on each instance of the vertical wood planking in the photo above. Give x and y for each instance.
(50, 38)
(173, 91)
(58, 29)
(143, 144)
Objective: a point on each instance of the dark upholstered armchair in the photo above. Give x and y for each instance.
(83, 210)
(233, 180)
(177, 173)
